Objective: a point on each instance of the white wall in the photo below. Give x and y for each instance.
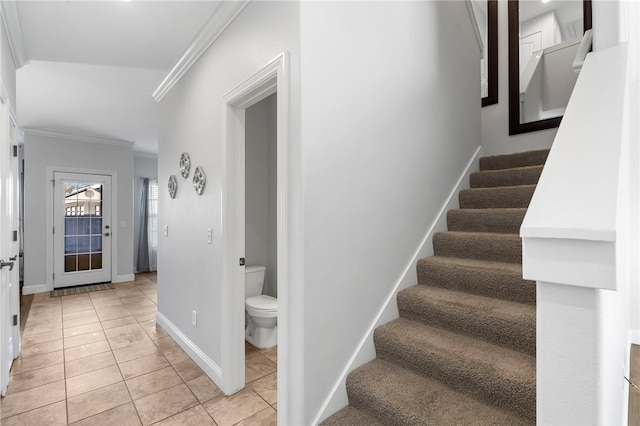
(390, 118)
(495, 118)
(190, 277)
(41, 152)
(144, 166)
(260, 187)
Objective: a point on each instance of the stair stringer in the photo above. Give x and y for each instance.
(365, 351)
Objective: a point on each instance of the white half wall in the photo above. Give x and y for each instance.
(48, 151)
(390, 118)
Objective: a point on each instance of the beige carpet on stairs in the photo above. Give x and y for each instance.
(463, 349)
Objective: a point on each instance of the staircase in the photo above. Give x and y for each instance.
(463, 350)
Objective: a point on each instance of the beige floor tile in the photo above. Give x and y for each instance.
(46, 327)
(35, 378)
(44, 320)
(35, 338)
(142, 308)
(81, 329)
(156, 333)
(49, 415)
(89, 364)
(86, 350)
(166, 344)
(174, 356)
(68, 316)
(204, 389)
(35, 362)
(135, 351)
(108, 303)
(112, 313)
(196, 416)
(124, 415)
(145, 316)
(149, 383)
(84, 339)
(266, 417)
(96, 379)
(76, 306)
(27, 400)
(129, 339)
(271, 353)
(166, 403)
(102, 294)
(118, 322)
(41, 348)
(89, 319)
(144, 365)
(97, 401)
(258, 366)
(188, 369)
(267, 387)
(123, 329)
(229, 410)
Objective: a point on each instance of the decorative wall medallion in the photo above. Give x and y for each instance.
(173, 186)
(185, 165)
(199, 180)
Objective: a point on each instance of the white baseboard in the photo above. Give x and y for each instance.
(634, 337)
(123, 278)
(365, 351)
(33, 289)
(212, 369)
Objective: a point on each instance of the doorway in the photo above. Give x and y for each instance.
(271, 80)
(82, 229)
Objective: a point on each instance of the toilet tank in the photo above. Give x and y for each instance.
(253, 280)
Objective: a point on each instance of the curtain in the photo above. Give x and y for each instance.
(143, 238)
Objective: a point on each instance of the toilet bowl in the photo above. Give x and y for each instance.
(261, 310)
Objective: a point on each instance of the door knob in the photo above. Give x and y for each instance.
(106, 234)
(3, 264)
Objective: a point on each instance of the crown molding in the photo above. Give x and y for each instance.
(78, 138)
(145, 154)
(13, 30)
(219, 20)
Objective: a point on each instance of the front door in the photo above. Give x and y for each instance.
(82, 229)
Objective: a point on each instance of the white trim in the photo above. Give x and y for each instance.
(144, 154)
(123, 278)
(78, 138)
(207, 365)
(13, 31)
(365, 350)
(50, 170)
(474, 25)
(273, 77)
(219, 20)
(33, 289)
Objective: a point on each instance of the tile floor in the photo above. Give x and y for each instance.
(100, 359)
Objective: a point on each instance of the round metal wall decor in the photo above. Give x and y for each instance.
(173, 186)
(199, 180)
(185, 165)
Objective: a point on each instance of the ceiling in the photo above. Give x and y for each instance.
(91, 66)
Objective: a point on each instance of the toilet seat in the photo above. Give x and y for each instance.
(262, 306)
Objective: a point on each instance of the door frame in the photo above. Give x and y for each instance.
(50, 197)
(273, 78)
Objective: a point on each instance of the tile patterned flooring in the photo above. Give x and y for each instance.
(100, 359)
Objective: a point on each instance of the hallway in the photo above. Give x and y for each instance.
(99, 359)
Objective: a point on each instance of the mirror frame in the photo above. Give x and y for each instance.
(515, 127)
(492, 54)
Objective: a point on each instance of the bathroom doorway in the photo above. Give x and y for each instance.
(270, 85)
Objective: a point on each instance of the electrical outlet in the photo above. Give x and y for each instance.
(194, 318)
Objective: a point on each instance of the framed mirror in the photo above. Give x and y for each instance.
(486, 13)
(544, 38)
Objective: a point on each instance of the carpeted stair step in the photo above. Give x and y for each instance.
(351, 416)
(501, 197)
(491, 279)
(496, 375)
(398, 396)
(506, 221)
(479, 245)
(508, 161)
(505, 323)
(506, 177)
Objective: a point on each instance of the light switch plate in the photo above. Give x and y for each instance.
(165, 230)
(209, 235)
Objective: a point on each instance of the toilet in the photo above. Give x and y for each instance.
(261, 310)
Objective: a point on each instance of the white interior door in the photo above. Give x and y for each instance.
(82, 229)
(9, 247)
